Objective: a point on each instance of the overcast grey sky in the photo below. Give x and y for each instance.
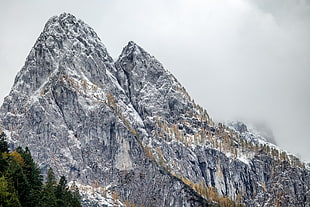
(240, 59)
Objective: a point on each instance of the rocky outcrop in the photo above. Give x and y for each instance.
(131, 127)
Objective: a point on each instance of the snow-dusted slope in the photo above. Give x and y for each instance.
(129, 127)
(69, 109)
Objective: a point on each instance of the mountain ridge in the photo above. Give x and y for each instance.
(131, 125)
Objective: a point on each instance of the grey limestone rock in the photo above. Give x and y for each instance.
(130, 126)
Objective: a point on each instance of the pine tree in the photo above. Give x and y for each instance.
(64, 196)
(21, 182)
(18, 179)
(3, 164)
(48, 198)
(61, 192)
(4, 147)
(76, 197)
(7, 199)
(51, 179)
(34, 177)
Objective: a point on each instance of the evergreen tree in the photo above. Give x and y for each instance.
(48, 198)
(61, 192)
(18, 179)
(21, 182)
(76, 197)
(7, 199)
(4, 147)
(51, 179)
(32, 172)
(3, 164)
(64, 196)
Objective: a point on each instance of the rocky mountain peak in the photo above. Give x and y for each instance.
(133, 54)
(151, 88)
(130, 127)
(65, 46)
(66, 32)
(63, 23)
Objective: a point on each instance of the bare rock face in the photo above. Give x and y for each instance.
(130, 126)
(151, 89)
(69, 109)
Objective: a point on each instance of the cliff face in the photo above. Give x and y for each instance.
(130, 126)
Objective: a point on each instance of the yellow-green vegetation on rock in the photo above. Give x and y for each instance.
(211, 194)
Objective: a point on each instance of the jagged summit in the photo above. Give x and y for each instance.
(151, 88)
(130, 127)
(64, 27)
(68, 25)
(66, 46)
(134, 52)
(63, 22)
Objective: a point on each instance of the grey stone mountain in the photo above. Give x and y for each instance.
(129, 127)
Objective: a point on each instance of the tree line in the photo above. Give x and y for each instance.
(21, 182)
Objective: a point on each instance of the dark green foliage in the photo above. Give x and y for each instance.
(59, 195)
(61, 189)
(3, 164)
(7, 197)
(32, 173)
(21, 182)
(64, 196)
(48, 193)
(51, 179)
(4, 147)
(48, 197)
(76, 197)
